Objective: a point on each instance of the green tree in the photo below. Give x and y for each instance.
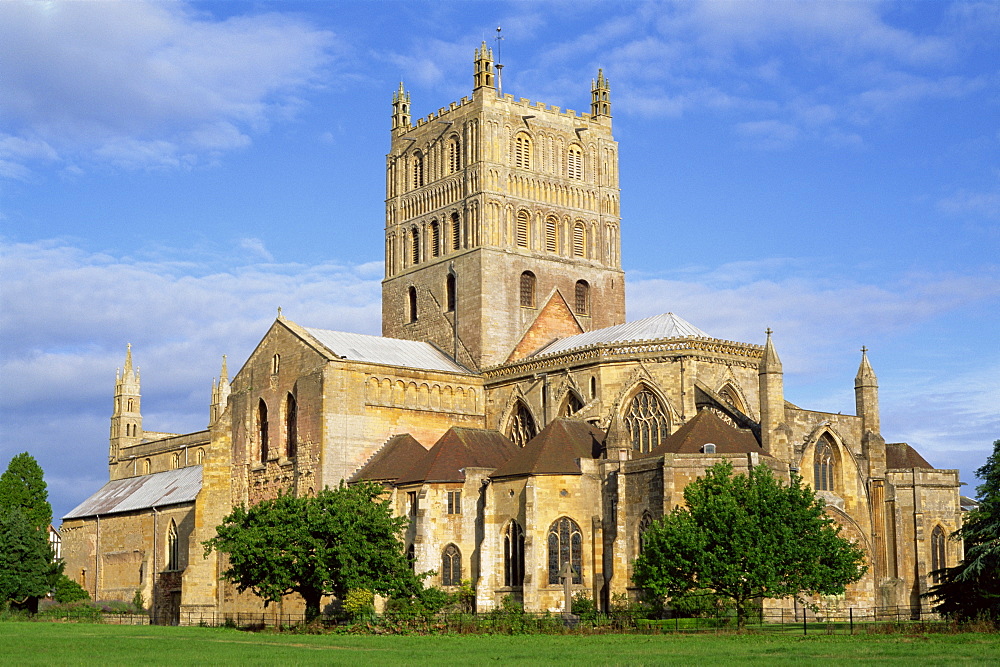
(22, 485)
(25, 559)
(744, 537)
(341, 539)
(971, 589)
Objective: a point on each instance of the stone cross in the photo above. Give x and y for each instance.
(566, 574)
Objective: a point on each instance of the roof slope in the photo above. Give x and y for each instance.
(704, 428)
(388, 351)
(555, 320)
(666, 325)
(901, 455)
(556, 450)
(395, 457)
(457, 449)
(138, 493)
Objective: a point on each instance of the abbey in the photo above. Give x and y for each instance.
(509, 409)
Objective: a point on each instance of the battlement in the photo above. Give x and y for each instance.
(443, 111)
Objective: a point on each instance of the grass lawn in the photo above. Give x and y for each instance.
(24, 643)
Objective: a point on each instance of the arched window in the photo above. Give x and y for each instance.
(201, 456)
(451, 566)
(175, 461)
(551, 234)
(937, 553)
(579, 239)
(574, 162)
(581, 300)
(291, 427)
(593, 386)
(418, 169)
(275, 364)
(522, 151)
(729, 395)
(456, 232)
(644, 523)
(523, 220)
(513, 555)
(130, 405)
(528, 289)
(147, 467)
(411, 294)
(173, 548)
(262, 429)
(450, 292)
(646, 420)
(435, 239)
(565, 547)
(823, 467)
(454, 155)
(522, 426)
(414, 245)
(572, 405)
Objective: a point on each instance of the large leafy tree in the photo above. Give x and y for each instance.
(743, 537)
(22, 486)
(25, 559)
(971, 589)
(341, 539)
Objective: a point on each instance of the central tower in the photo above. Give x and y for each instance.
(495, 208)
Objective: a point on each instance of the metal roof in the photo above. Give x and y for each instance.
(388, 351)
(139, 493)
(666, 325)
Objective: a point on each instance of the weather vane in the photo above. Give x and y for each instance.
(499, 65)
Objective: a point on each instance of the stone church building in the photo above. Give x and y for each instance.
(508, 408)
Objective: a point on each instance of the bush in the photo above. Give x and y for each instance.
(138, 602)
(359, 604)
(66, 590)
(584, 607)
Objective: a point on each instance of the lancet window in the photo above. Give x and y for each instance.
(823, 467)
(565, 547)
(513, 555)
(451, 566)
(937, 553)
(291, 427)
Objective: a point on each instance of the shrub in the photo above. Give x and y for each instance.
(359, 604)
(66, 590)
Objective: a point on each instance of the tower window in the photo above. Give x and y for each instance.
(418, 169)
(291, 427)
(581, 297)
(823, 467)
(528, 289)
(646, 421)
(451, 566)
(551, 234)
(454, 156)
(456, 232)
(522, 151)
(262, 429)
(513, 555)
(523, 238)
(579, 240)
(565, 548)
(574, 162)
(412, 299)
(450, 293)
(130, 406)
(435, 239)
(414, 245)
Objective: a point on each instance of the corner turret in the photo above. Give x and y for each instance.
(220, 394)
(400, 110)
(773, 429)
(126, 418)
(600, 97)
(866, 395)
(483, 76)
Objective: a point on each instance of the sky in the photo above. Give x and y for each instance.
(172, 173)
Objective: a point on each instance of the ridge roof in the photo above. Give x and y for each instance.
(666, 325)
(457, 449)
(704, 428)
(902, 455)
(137, 493)
(555, 450)
(393, 459)
(388, 351)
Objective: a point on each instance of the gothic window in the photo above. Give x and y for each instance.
(411, 294)
(262, 429)
(454, 156)
(572, 404)
(579, 240)
(450, 292)
(418, 169)
(644, 524)
(574, 162)
(730, 396)
(414, 245)
(565, 547)
(291, 427)
(522, 426)
(451, 566)
(456, 232)
(147, 467)
(454, 502)
(435, 239)
(528, 289)
(823, 467)
(513, 555)
(523, 220)
(522, 151)
(937, 553)
(551, 234)
(581, 302)
(201, 456)
(646, 420)
(173, 548)
(175, 461)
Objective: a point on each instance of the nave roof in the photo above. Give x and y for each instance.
(388, 351)
(657, 327)
(139, 493)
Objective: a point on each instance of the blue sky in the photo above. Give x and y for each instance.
(170, 174)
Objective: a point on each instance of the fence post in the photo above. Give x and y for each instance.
(805, 628)
(852, 620)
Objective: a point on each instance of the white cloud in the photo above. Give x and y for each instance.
(140, 84)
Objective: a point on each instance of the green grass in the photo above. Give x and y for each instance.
(77, 643)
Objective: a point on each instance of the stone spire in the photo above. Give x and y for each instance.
(400, 110)
(773, 430)
(126, 417)
(220, 394)
(483, 75)
(866, 394)
(617, 441)
(600, 97)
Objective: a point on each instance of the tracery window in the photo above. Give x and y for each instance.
(450, 292)
(937, 553)
(522, 233)
(579, 240)
(513, 555)
(262, 429)
(435, 239)
(823, 467)
(574, 162)
(173, 547)
(528, 289)
(572, 405)
(551, 234)
(451, 566)
(454, 156)
(411, 294)
(581, 297)
(522, 151)
(646, 421)
(565, 546)
(729, 395)
(291, 427)
(522, 426)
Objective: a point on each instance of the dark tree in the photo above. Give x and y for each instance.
(971, 589)
(341, 539)
(25, 560)
(743, 537)
(22, 486)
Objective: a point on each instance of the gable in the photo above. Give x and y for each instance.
(554, 321)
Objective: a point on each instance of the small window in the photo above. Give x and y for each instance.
(823, 467)
(147, 466)
(454, 502)
(175, 461)
(708, 448)
(523, 236)
(201, 456)
(574, 162)
(411, 294)
(582, 298)
(551, 234)
(173, 548)
(450, 293)
(644, 524)
(262, 430)
(275, 364)
(522, 151)
(937, 553)
(411, 556)
(579, 240)
(451, 566)
(456, 232)
(411, 498)
(454, 156)
(414, 245)
(646, 421)
(593, 387)
(528, 289)
(418, 169)
(435, 239)
(522, 426)
(291, 427)
(130, 405)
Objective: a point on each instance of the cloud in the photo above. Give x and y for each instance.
(985, 204)
(140, 84)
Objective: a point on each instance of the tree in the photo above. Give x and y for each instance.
(341, 539)
(971, 589)
(25, 559)
(743, 537)
(22, 485)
